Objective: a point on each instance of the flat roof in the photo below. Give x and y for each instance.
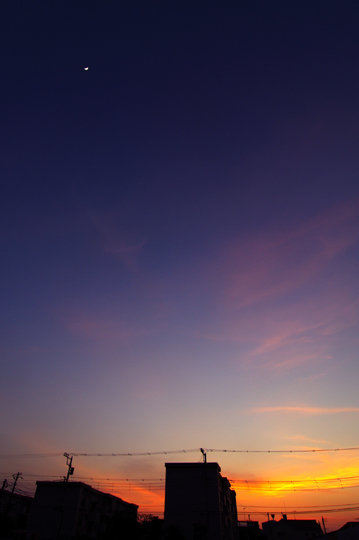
(193, 465)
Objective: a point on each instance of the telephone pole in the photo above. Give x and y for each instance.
(3, 487)
(15, 477)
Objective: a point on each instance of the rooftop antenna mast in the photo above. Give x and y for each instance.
(71, 469)
(204, 455)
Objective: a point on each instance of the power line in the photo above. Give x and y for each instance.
(82, 454)
(136, 454)
(303, 512)
(48, 455)
(237, 483)
(312, 450)
(36, 475)
(307, 450)
(232, 480)
(296, 485)
(310, 506)
(185, 451)
(304, 481)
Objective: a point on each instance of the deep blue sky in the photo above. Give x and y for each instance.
(179, 225)
(193, 87)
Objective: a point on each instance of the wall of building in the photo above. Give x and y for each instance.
(295, 529)
(65, 510)
(14, 511)
(199, 502)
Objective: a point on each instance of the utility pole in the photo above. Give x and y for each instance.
(71, 469)
(15, 477)
(204, 455)
(325, 530)
(3, 487)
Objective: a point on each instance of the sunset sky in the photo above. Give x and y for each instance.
(179, 231)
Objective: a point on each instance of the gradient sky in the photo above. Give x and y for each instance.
(179, 233)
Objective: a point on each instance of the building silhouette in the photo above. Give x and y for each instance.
(64, 510)
(250, 530)
(349, 531)
(199, 502)
(14, 511)
(295, 529)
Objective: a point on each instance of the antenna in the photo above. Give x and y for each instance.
(70, 472)
(204, 455)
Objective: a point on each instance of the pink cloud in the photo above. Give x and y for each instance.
(283, 295)
(307, 410)
(311, 378)
(271, 265)
(306, 322)
(100, 327)
(303, 331)
(291, 333)
(307, 439)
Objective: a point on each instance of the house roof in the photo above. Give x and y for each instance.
(349, 525)
(301, 524)
(76, 484)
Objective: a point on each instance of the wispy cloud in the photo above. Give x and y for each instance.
(101, 327)
(306, 410)
(284, 295)
(115, 241)
(98, 328)
(302, 438)
(311, 378)
(271, 265)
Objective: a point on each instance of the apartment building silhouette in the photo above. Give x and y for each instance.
(199, 502)
(63, 510)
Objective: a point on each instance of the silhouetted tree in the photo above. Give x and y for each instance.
(122, 526)
(151, 528)
(173, 533)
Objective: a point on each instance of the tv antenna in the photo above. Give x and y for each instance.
(71, 469)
